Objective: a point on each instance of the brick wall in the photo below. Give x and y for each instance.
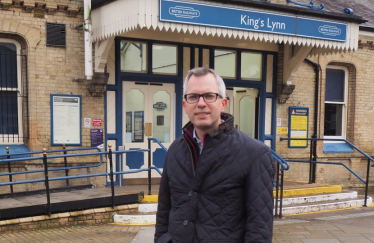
(360, 111)
(50, 70)
(86, 217)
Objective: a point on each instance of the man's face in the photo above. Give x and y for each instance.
(204, 116)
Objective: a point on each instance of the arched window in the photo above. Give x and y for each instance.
(11, 127)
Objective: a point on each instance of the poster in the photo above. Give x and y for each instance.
(66, 119)
(129, 121)
(138, 126)
(298, 126)
(97, 138)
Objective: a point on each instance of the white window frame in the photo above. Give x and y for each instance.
(18, 137)
(344, 112)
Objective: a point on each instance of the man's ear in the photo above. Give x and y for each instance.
(224, 104)
(184, 106)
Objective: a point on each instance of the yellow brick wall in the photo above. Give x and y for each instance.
(359, 118)
(50, 70)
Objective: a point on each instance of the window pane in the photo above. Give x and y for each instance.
(164, 59)
(247, 115)
(251, 66)
(225, 63)
(8, 112)
(134, 116)
(205, 58)
(333, 119)
(8, 65)
(161, 116)
(268, 115)
(269, 74)
(335, 85)
(133, 56)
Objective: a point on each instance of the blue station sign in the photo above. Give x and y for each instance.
(242, 19)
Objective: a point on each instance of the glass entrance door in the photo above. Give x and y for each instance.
(148, 112)
(242, 104)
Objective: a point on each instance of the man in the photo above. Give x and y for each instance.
(217, 183)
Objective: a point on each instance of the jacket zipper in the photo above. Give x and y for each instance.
(189, 149)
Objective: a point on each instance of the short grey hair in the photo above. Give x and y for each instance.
(202, 71)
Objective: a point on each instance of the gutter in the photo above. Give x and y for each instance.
(88, 40)
(315, 130)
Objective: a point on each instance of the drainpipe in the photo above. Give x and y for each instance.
(312, 178)
(87, 39)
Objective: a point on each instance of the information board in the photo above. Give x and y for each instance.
(298, 126)
(66, 119)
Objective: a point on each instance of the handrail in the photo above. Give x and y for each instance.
(337, 163)
(331, 139)
(284, 166)
(159, 143)
(333, 163)
(149, 162)
(48, 151)
(280, 160)
(54, 169)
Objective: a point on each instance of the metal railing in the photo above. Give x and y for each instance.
(8, 156)
(314, 162)
(282, 166)
(47, 179)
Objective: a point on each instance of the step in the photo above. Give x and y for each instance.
(147, 207)
(318, 198)
(146, 215)
(310, 190)
(324, 206)
(142, 219)
(295, 201)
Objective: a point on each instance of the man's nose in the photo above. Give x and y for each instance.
(201, 101)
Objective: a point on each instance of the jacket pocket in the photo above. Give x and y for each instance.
(165, 238)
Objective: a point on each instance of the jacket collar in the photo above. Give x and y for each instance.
(225, 126)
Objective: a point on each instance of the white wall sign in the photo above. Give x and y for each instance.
(66, 119)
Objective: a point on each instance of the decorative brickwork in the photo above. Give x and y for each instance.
(42, 7)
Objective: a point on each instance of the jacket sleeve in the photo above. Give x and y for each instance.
(259, 198)
(164, 204)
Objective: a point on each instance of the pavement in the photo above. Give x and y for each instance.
(348, 226)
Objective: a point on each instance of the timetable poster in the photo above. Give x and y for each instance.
(66, 119)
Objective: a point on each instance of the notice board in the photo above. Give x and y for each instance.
(66, 113)
(298, 126)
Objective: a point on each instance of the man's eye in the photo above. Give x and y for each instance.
(193, 97)
(209, 96)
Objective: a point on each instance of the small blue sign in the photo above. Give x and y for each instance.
(241, 19)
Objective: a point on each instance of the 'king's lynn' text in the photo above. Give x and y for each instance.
(256, 23)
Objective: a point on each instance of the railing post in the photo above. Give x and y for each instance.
(310, 165)
(9, 170)
(276, 191)
(66, 165)
(149, 168)
(46, 181)
(111, 173)
(281, 197)
(367, 183)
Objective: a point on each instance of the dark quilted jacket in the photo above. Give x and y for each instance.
(227, 197)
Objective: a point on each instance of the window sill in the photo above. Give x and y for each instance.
(337, 148)
(14, 149)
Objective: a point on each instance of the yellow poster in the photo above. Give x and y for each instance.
(298, 126)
